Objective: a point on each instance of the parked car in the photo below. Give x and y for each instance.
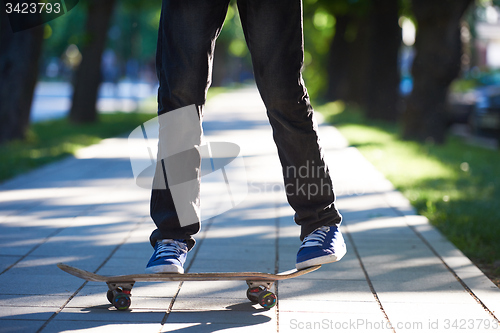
(485, 117)
(461, 107)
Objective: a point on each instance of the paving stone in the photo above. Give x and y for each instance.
(38, 280)
(27, 312)
(214, 289)
(260, 252)
(329, 306)
(15, 300)
(324, 290)
(77, 326)
(158, 295)
(216, 303)
(233, 318)
(232, 265)
(383, 229)
(107, 313)
(7, 260)
(20, 325)
(217, 327)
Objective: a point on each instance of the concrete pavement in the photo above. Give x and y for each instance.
(399, 275)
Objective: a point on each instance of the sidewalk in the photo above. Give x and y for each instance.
(87, 212)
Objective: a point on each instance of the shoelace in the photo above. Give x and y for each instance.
(316, 238)
(169, 248)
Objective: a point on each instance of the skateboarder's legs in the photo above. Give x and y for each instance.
(273, 30)
(186, 41)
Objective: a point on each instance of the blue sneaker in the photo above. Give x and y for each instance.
(169, 257)
(322, 246)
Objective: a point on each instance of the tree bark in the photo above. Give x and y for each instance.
(437, 63)
(383, 70)
(338, 57)
(359, 60)
(88, 75)
(19, 60)
(347, 60)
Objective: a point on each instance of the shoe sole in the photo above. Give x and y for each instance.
(164, 269)
(319, 261)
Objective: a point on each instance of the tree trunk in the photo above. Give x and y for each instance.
(348, 59)
(437, 63)
(338, 57)
(88, 75)
(19, 60)
(383, 72)
(359, 60)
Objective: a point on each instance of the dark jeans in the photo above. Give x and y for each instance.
(273, 32)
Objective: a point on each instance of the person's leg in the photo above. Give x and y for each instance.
(186, 41)
(273, 30)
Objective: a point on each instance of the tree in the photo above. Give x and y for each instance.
(348, 57)
(383, 77)
(88, 74)
(437, 63)
(19, 58)
(137, 25)
(363, 56)
(347, 60)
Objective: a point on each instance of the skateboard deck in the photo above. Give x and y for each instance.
(120, 286)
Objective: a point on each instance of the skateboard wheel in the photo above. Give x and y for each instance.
(267, 299)
(253, 294)
(122, 301)
(110, 296)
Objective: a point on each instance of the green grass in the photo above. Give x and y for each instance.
(456, 186)
(50, 141)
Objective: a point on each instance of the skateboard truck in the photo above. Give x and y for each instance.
(119, 294)
(258, 292)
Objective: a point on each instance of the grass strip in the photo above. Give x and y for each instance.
(456, 186)
(53, 140)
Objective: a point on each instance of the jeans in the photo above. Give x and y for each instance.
(273, 32)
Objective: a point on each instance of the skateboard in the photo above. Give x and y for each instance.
(120, 286)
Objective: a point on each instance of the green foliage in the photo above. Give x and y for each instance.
(232, 33)
(319, 28)
(134, 29)
(132, 34)
(65, 30)
(455, 185)
(52, 140)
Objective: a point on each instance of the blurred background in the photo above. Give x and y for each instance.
(413, 84)
(430, 65)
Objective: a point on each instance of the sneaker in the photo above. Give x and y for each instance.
(169, 257)
(322, 246)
